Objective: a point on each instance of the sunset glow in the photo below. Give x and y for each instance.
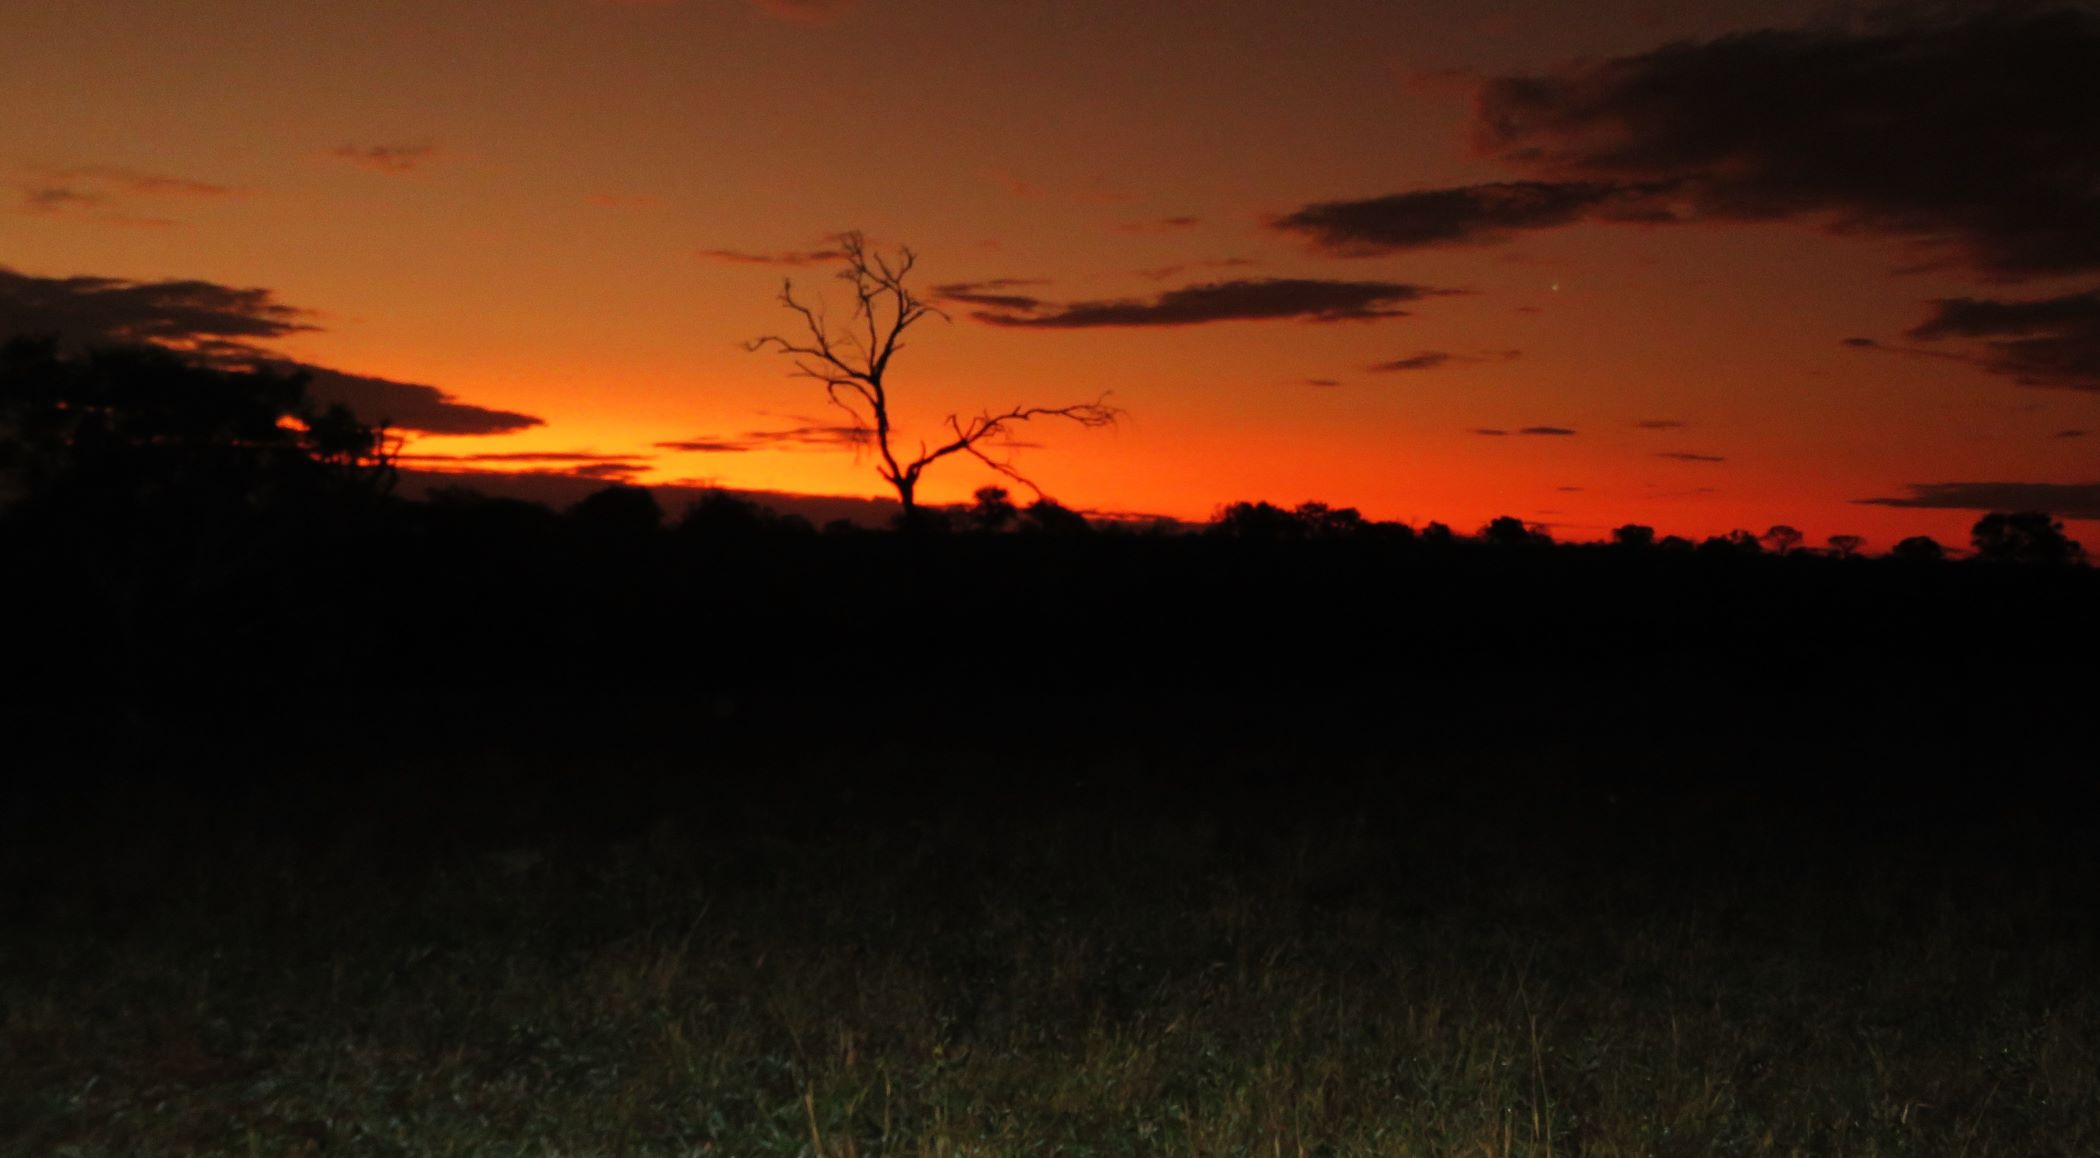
(1436, 261)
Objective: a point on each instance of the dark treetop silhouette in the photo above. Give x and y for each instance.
(853, 362)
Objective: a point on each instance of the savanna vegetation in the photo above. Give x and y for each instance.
(341, 823)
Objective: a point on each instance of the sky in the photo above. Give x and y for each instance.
(1700, 266)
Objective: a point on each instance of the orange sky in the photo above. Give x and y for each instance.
(516, 201)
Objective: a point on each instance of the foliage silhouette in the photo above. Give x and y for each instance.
(1918, 549)
(2024, 537)
(1781, 539)
(123, 430)
(852, 361)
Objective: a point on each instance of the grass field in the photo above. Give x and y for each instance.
(967, 950)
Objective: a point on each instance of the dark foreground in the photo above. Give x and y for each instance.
(1508, 913)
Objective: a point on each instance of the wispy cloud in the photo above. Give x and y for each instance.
(111, 195)
(1160, 225)
(1265, 299)
(793, 257)
(811, 435)
(390, 159)
(1689, 456)
(1426, 360)
(991, 294)
(1659, 424)
(1163, 272)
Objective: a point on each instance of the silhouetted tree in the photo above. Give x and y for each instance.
(618, 510)
(1510, 531)
(718, 515)
(1736, 542)
(1258, 523)
(1845, 546)
(993, 511)
(1049, 517)
(1324, 522)
(1675, 544)
(1633, 535)
(852, 361)
(140, 428)
(1918, 549)
(2023, 537)
(1781, 539)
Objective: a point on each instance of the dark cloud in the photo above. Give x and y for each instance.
(811, 435)
(1861, 343)
(226, 325)
(184, 315)
(788, 257)
(1297, 299)
(1659, 424)
(392, 159)
(1552, 430)
(2071, 433)
(2064, 500)
(1468, 214)
(1490, 431)
(1323, 381)
(2052, 342)
(1426, 360)
(1971, 132)
(1688, 456)
(408, 405)
(987, 293)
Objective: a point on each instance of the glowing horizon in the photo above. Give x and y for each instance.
(1314, 256)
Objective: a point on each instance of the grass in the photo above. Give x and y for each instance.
(1083, 955)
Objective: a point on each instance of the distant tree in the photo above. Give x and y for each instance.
(1845, 546)
(993, 511)
(1918, 549)
(1324, 522)
(1258, 522)
(720, 515)
(1780, 539)
(852, 361)
(1737, 542)
(1049, 517)
(141, 428)
(619, 510)
(1510, 531)
(1437, 534)
(1633, 535)
(1675, 544)
(2023, 537)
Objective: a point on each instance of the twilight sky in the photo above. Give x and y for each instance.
(1698, 265)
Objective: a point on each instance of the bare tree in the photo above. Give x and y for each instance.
(852, 360)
